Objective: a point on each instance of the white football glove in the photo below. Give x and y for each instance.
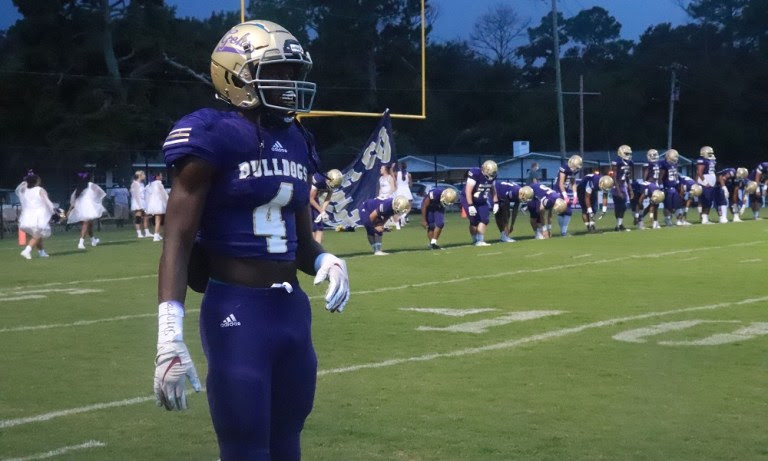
(334, 269)
(173, 364)
(321, 217)
(495, 208)
(472, 210)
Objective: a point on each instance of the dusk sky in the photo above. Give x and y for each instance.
(457, 16)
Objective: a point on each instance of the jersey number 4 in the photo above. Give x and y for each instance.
(268, 219)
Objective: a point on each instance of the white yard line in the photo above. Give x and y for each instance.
(510, 344)
(60, 451)
(80, 323)
(756, 260)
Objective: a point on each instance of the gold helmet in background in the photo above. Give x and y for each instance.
(625, 152)
(605, 183)
(401, 204)
(490, 169)
(741, 173)
(238, 66)
(696, 190)
(707, 152)
(575, 162)
(672, 156)
(653, 155)
(525, 193)
(334, 178)
(750, 188)
(560, 206)
(448, 196)
(657, 196)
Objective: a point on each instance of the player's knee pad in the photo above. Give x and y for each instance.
(137, 219)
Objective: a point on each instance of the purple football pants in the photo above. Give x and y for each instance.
(262, 369)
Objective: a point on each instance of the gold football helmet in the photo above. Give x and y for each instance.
(560, 206)
(448, 196)
(334, 178)
(401, 204)
(525, 193)
(605, 183)
(750, 188)
(259, 63)
(575, 162)
(657, 196)
(490, 169)
(625, 152)
(696, 190)
(653, 155)
(707, 152)
(672, 156)
(741, 173)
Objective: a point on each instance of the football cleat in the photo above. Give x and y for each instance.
(334, 178)
(625, 152)
(490, 169)
(525, 193)
(400, 204)
(657, 197)
(653, 155)
(605, 183)
(696, 190)
(575, 162)
(672, 156)
(448, 196)
(741, 173)
(707, 152)
(242, 63)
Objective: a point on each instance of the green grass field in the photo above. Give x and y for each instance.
(644, 345)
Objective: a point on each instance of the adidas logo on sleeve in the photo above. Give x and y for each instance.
(230, 321)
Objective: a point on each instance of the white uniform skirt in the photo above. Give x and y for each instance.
(157, 198)
(88, 205)
(36, 222)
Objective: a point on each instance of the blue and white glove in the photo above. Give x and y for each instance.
(472, 210)
(495, 208)
(173, 364)
(334, 269)
(321, 217)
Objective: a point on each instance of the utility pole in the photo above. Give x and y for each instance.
(558, 80)
(674, 95)
(581, 94)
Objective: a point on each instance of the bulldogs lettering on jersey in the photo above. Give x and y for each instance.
(482, 187)
(624, 169)
(261, 181)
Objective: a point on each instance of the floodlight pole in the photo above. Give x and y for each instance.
(558, 80)
(672, 99)
(581, 94)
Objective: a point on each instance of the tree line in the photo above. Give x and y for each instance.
(100, 82)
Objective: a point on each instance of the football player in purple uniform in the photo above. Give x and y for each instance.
(586, 192)
(651, 169)
(540, 208)
(375, 212)
(510, 196)
(706, 177)
(760, 176)
(622, 175)
(477, 192)
(669, 177)
(730, 181)
(241, 196)
(433, 212)
(566, 185)
(655, 195)
(322, 186)
(691, 193)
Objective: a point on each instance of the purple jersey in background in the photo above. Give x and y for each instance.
(482, 188)
(671, 178)
(508, 191)
(624, 169)
(261, 181)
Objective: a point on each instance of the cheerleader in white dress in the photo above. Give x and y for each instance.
(36, 212)
(139, 204)
(157, 201)
(403, 183)
(85, 206)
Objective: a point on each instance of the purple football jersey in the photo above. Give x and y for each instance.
(568, 179)
(671, 176)
(652, 172)
(482, 187)
(624, 169)
(508, 191)
(261, 181)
